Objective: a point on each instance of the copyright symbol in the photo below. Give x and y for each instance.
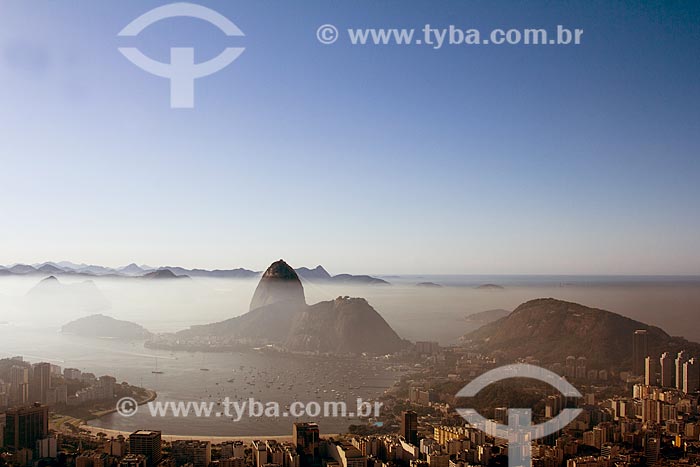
(327, 34)
(127, 406)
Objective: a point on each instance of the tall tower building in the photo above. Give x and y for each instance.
(652, 449)
(409, 426)
(41, 382)
(651, 371)
(25, 426)
(639, 351)
(148, 444)
(19, 385)
(680, 361)
(305, 437)
(667, 370)
(691, 376)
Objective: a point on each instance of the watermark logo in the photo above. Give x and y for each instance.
(519, 431)
(327, 34)
(236, 410)
(182, 70)
(127, 406)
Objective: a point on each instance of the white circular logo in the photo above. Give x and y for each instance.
(327, 34)
(127, 406)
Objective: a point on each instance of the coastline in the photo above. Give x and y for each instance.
(213, 439)
(151, 396)
(85, 425)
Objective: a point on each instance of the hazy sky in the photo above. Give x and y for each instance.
(489, 159)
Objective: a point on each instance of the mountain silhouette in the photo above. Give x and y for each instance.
(99, 325)
(279, 315)
(550, 330)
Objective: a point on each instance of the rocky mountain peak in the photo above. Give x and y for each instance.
(279, 284)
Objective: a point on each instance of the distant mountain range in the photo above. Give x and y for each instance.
(549, 330)
(279, 315)
(130, 270)
(52, 294)
(318, 274)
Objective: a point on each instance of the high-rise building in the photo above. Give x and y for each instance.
(25, 426)
(667, 370)
(639, 351)
(409, 427)
(680, 360)
(500, 414)
(148, 444)
(47, 447)
(570, 367)
(651, 450)
(232, 449)
(197, 453)
(72, 373)
(115, 447)
(19, 385)
(691, 376)
(259, 453)
(651, 411)
(347, 455)
(651, 371)
(581, 368)
(132, 460)
(427, 348)
(40, 383)
(305, 437)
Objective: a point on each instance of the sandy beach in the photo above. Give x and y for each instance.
(214, 439)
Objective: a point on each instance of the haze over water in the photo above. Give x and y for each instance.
(416, 313)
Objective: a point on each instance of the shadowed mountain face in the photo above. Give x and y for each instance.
(550, 330)
(278, 296)
(279, 315)
(344, 325)
(279, 284)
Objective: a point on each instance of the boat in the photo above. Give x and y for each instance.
(157, 371)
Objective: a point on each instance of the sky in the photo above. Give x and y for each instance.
(366, 159)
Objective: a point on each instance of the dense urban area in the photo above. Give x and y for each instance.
(647, 415)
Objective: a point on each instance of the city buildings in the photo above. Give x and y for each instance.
(639, 351)
(681, 358)
(197, 453)
(148, 444)
(305, 438)
(347, 455)
(651, 371)
(691, 376)
(409, 426)
(25, 426)
(667, 370)
(19, 385)
(40, 382)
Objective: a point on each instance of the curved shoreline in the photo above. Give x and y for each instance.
(152, 395)
(213, 439)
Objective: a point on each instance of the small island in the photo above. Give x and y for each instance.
(105, 327)
(490, 287)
